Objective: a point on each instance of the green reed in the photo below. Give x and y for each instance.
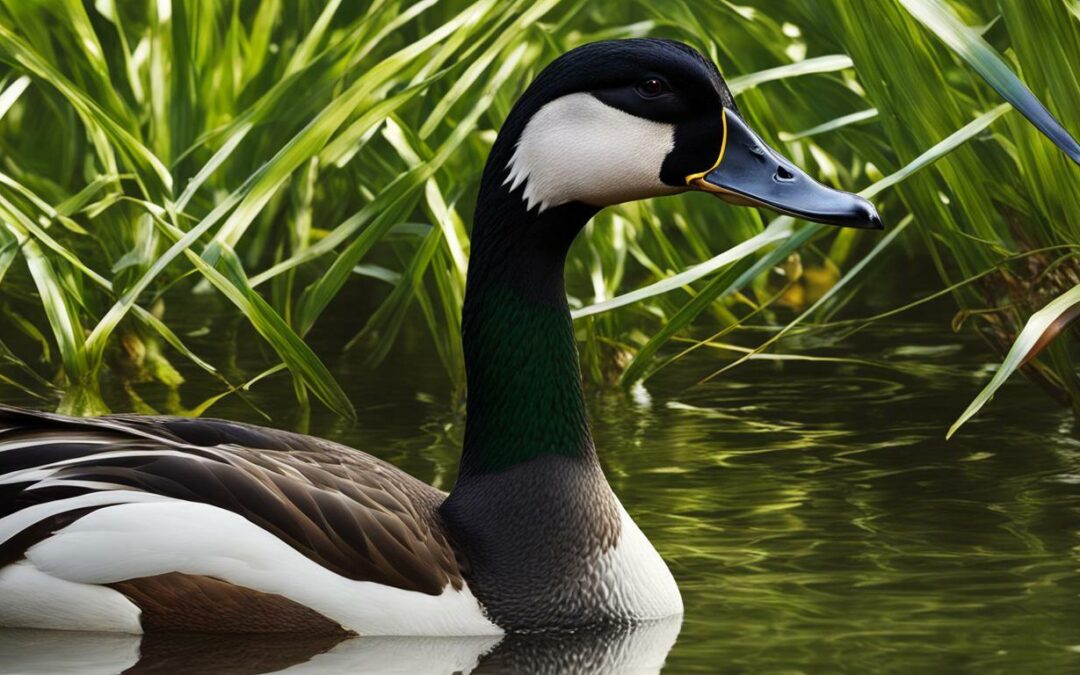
(274, 156)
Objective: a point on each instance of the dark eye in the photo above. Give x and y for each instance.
(652, 87)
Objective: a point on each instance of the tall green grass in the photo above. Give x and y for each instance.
(276, 156)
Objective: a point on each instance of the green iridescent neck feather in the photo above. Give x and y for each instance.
(524, 379)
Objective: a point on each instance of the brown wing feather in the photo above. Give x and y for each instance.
(177, 602)
(348, 511)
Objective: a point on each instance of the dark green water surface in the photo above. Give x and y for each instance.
(813, 514)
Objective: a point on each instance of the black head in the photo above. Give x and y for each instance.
(615, 121)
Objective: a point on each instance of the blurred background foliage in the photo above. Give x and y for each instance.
(280, 160)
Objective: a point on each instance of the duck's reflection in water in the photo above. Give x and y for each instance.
(639, 649)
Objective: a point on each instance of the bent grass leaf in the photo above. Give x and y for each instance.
(389, 317)
(939, 150)
(308, 369)
(79, 200)
(831, 125)
(212, 165)
(394, 203)
(819, 64)
(479, 65)
(16, 50)
(62, 315)
(301, 360)
(378, 272)
(313, 137)
(972, 48)
(307, 49)
(731, 281)
(778, 230)
(393, 206)
(342, 148)
(1040, 330)
(12, 94)
(820, 302)
(9, 248)
(17, 219)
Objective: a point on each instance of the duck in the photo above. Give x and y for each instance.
(152, 524)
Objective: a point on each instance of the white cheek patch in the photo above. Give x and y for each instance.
(577, 148)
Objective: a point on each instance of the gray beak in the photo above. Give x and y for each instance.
(751, 173)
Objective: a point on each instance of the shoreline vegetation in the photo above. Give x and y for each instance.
(282, 159)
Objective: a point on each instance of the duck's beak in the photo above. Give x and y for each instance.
(751, 173)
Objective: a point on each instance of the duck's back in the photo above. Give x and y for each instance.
(154, 523)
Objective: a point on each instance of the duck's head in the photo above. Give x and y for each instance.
(616, 121)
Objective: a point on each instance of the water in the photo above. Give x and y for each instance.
(811, 511)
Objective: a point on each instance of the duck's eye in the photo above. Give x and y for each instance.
(652, 87)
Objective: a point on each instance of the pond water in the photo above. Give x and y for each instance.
(813, 514)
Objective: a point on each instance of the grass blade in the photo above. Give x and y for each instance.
(297, 355)
(17, 51)
(778, 230)
(12, 94)
(63, 318)
(880, 246)
(1040, 330)
(820, 64)
(972, 48)
(831, 125)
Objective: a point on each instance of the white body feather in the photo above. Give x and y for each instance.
(29, 598)
(133, 540)
(635, 578)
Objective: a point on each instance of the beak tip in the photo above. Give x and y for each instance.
(868, 217)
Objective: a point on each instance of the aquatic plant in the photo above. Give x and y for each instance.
(289, 159)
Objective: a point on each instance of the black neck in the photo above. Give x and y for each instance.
(524, 379)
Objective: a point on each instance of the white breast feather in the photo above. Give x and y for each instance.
(635, 578)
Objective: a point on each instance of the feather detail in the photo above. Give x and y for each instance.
(340, 537)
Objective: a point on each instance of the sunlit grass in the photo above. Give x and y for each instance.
(273, 155)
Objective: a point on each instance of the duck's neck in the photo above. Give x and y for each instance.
(531, 516)
(524, 380)
(532, 520)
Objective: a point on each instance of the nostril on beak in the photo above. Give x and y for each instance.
(783, 174)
